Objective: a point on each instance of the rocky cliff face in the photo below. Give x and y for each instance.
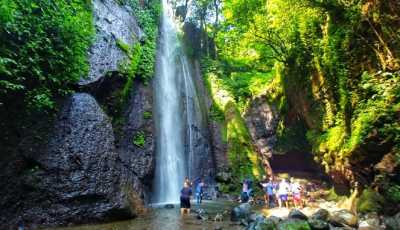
(82, 171)
(262, 120)
(139, 122)
(77, 178)
(113, 22)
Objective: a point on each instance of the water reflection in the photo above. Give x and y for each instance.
(170, 219)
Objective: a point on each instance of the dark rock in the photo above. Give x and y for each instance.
(78, 179)
(140, 158)
(202, 217)
(297, 214)
(392, 223)
(331, 227)
(240, 212)
(321, 214)
(223, 177)
(293, 224)
(263, 223)
(274, 219)
(343, 218)
(114, 22)
(199, 142)
(262, 119)
(369, 221)
(219, 149)
(317, 224)
(169, 206)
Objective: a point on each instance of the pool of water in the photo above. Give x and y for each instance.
(170, 219)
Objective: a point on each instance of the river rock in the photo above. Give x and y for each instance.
(293, 224)
(392, 223)
(297, 214)
(317, 224)
(343, 217)
(169, 206)
(240, 212)
(369, 221)
(321, 214)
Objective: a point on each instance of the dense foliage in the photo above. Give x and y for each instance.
(147, 15)
(330, 67)
(43, 47)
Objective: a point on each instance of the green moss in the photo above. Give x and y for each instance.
(147, 15)
(129, 66)
(332, 196)
(147, 115)
(139, 139)
(243, 159)
(43, 51)
(293, 224)
(370, 201)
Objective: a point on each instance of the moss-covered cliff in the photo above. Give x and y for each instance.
(331, 70)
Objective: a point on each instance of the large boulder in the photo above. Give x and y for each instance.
(343, 218)
(240, 212)
(321, 214)
(297, 214)
(317, 224)
(78, 178)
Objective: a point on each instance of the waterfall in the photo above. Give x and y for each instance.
(177, 113)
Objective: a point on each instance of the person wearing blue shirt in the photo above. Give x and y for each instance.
(186, 193)
(269, 188)
(199, 191)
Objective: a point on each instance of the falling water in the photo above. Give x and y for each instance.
(177, 113)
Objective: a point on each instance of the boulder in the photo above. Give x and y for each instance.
(240, 212)
(78, 178)
(392, 223)
(343, 218)
(317, 224)
(297, 214)
(321, 214)
(370, 221)
(293, 224)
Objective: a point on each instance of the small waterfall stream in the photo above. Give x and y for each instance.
(177, 113)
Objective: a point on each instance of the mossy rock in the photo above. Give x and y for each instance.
(333, 196)
(293, 224)
(370, 201)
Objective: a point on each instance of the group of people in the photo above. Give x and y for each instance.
(186, 193)
(283, 193)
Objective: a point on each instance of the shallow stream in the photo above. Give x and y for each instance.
(170, 219)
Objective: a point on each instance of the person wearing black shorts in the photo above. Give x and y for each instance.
(186, 193)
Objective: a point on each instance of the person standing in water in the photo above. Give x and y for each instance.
(269, 189)
(296, 189)
(186, 193)
(199, 191)
(283, 192)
